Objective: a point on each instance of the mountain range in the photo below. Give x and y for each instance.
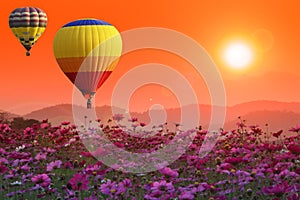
(278, 115)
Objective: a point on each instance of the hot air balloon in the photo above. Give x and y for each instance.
(28, 24)
(87, 51)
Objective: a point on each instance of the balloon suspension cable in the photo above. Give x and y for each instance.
(28, 53)
(89, 103)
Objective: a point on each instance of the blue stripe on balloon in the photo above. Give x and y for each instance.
(87, 22)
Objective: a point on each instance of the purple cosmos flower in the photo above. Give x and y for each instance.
(42, 180)
(127, 183)
(3, 160)
(41, 156)
(162, 187)
(169, 172)
(25, 167)
(108, 187)
(185, 195)
(54, 165)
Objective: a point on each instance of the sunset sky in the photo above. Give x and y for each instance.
(269, 29)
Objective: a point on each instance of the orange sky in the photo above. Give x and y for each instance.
(29, 83)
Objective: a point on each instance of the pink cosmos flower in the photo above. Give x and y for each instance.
(234, 161)
(185, 195)
(5, 128)
(119, 144)
(169, 172)
(28, 131)
(240, 124)
(3, 169)
(79, 182)
(65, 123)
(86, 154)
(49, 150)
(295, 129)
(45, 125)
(293, 148)
(25, 167)
(42, 180)
(278, 189)
(277, 134)
(53, 165)
(3, 160)
(133, 119)
(192, 160)
(40, 156)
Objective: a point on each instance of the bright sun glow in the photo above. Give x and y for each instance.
(238, 55)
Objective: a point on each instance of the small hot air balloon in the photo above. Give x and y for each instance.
(28, 24)
(87, 51)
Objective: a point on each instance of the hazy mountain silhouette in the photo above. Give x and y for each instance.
(7, 115)
(244, 108)
(269, 120)
(278, 115)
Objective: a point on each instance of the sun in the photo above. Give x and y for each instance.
(238, 55)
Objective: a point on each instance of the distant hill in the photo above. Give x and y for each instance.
(7, 115)
(276, 120)
(279, 115)
(261, 105)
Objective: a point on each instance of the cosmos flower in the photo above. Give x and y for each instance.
(79, 182)
(3, 169)
(45, 125)
(28, 131)
(169, 172)
(127, 183)
(277, 190)
(54, 165)
(277, 134)
(25, 167)
(108, 187)
(133, 119)
(3, 160)
(233, 160)
(162, 187)
(293, 148)
(65, 123)
(295, 129)
(185, 195)
(41, 179)
(142, 124)
(41, 156)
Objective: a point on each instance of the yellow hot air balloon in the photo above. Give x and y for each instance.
(87, 51)
(28, 24)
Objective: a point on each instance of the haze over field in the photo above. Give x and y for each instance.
(278, 115)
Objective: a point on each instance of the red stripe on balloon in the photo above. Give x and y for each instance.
(88, 82)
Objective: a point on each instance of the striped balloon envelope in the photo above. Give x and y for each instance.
(28, 24)
(87, 51)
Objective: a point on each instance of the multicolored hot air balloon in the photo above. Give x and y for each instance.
(28, 24)
(87, 51)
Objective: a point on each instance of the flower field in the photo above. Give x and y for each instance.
(50, 162)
